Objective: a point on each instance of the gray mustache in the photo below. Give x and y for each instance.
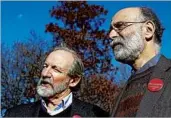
(45, 80)
(116, 42)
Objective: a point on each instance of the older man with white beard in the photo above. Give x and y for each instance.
(62, 71)
(136, 39)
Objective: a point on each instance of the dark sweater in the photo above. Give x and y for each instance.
(78, 107)
(133, 94)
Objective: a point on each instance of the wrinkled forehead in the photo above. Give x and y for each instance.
(60, 58)
(127, 15)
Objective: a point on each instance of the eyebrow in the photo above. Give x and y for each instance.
(56, 67)
(114, 23)
(118, 22)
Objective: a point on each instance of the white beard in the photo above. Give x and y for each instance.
(50, 91)
(129, 48)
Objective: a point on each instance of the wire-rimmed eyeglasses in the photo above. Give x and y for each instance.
(119, 26)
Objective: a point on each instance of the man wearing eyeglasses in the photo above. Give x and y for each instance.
(62, 71)
(136, 40)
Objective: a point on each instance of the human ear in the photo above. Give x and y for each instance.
(74, 81)
(149, 29)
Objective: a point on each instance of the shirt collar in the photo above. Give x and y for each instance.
(65, 103)
(150, 63)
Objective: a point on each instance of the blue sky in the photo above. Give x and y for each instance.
(18, 18)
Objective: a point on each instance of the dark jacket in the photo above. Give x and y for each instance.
(155, 104)
(158, 104)
(78, 107)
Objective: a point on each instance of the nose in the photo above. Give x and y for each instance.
(46, 72)
(113, 34)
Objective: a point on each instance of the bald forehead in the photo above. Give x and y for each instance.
(127, 15)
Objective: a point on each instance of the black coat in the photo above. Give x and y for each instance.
(156, 104)
(78, 107)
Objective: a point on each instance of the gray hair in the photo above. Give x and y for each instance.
(148, 14)
(77, 68)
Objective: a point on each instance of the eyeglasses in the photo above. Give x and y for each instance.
(119, 26)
